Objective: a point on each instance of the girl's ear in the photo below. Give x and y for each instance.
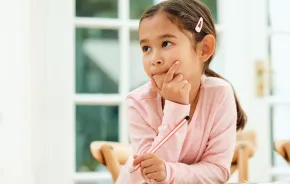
(206, 47)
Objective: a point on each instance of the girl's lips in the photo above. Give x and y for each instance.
(159, 73)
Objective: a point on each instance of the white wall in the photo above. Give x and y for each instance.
(15, 96)
(52, 90)
(36, 112)
(245, 42)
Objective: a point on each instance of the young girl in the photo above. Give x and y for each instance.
(178, 40)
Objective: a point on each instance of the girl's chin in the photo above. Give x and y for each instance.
(159, 80)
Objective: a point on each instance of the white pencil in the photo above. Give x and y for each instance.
(154, 149)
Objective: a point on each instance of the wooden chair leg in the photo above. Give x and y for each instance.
(243, 164)
(111, 161)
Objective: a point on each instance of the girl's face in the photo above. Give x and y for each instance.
(163, 43)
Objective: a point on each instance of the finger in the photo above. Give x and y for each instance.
(141, 158)
(182, 83)
(147, 163)
(134, 156)
(149, 170)
(170, 74)
(154, 85)
(153, 175)
(177, 78)
(187, 87)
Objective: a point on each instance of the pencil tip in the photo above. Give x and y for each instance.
(131, 170)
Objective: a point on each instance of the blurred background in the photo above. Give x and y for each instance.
(66, 67)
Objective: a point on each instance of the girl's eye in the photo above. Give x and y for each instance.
(146, 49)
(166, 44)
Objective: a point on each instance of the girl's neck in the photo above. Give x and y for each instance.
(193, 99)
(193, 94)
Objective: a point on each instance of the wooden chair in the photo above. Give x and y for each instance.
(282, 147)
(113, 154)
(244, 150)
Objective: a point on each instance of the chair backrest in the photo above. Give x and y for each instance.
(111, 155)
(283, 148)
(246, 140)
(247, 135)
(122, 151)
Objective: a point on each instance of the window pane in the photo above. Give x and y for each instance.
(97, 8)
(93, 123)
(212, 5)
(137, 74)
(97, 61)
(280, 64)
(217, 64)
(137, 7)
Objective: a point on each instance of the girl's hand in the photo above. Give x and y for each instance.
(174, 88)
(152, 167)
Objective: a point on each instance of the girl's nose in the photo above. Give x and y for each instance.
(157, 59)
(157, 62)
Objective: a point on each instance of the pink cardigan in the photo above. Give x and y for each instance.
(198, 153)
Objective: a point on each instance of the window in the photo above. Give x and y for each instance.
(279, 39)
(108, 64)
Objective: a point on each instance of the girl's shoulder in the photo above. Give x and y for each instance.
(143, 92)
(145, 100)
(218, 97)
(216, 89)
(214, 82)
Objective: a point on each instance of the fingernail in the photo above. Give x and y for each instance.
(177, 62)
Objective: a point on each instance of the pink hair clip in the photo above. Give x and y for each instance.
(198, 27)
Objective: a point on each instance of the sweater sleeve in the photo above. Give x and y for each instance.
(143, 136)
(214, 166)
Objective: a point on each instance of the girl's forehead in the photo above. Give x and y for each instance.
(158, 23)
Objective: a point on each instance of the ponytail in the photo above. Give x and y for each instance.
(241, 115)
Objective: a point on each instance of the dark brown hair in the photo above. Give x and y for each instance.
(186, 14)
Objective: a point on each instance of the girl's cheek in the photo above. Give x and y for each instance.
(146, 68)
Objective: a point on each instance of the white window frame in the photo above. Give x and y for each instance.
(276, 100)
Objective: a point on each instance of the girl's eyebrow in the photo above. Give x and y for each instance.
(159, 37)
